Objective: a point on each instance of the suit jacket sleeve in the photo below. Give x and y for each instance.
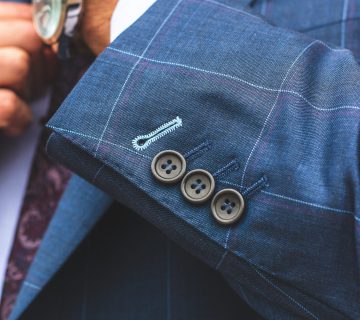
(269, 112)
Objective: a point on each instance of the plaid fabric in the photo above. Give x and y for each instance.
(260, 106)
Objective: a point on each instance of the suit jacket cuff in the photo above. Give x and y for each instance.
(256, 106)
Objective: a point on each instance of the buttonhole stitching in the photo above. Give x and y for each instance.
(197, 151)
(255, 187)
(141, 142)
(249, 191)
(231, 166)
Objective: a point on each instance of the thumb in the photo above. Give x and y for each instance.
(95, 25)
(15, 114)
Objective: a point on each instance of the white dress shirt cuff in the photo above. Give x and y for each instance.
(126, 13)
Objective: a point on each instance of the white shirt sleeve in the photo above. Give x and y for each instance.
(126, 13)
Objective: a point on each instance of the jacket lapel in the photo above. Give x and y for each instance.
(79, 209)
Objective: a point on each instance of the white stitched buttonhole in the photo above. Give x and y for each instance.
(143, 141)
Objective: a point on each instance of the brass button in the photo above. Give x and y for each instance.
(198, 186)
(227, 206)
(168, 166)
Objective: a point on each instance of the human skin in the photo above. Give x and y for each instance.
(26, 64)
(22, 64)
(95, 24)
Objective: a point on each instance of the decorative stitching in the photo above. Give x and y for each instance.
(284, 293)
(233, 184)
(246, 191)
(231, 166)
(131, 72)
(197, 151)
(255, 186)
(224, 75)
(319, 108)
(193, 68)
(222, 181)
(333, 49)
(141, 142)
(167, 205)
(31, 285)
(249, 261)
(271, 110)
(311, 204)
(221, 260)
(97, 173)
(105, 141)
(226, 250)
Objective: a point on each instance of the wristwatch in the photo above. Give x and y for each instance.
(56, 21)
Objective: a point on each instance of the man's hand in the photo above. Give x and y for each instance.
(21, 66)
(95, 25)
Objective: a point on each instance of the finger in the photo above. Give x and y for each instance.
(95, 25)
(15, 11)
(15, 114)
(19, 33)
(15, 68)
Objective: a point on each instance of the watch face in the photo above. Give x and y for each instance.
(47, 18)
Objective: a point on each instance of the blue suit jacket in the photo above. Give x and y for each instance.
(270, 112)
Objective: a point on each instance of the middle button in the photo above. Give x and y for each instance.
(198, 186)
